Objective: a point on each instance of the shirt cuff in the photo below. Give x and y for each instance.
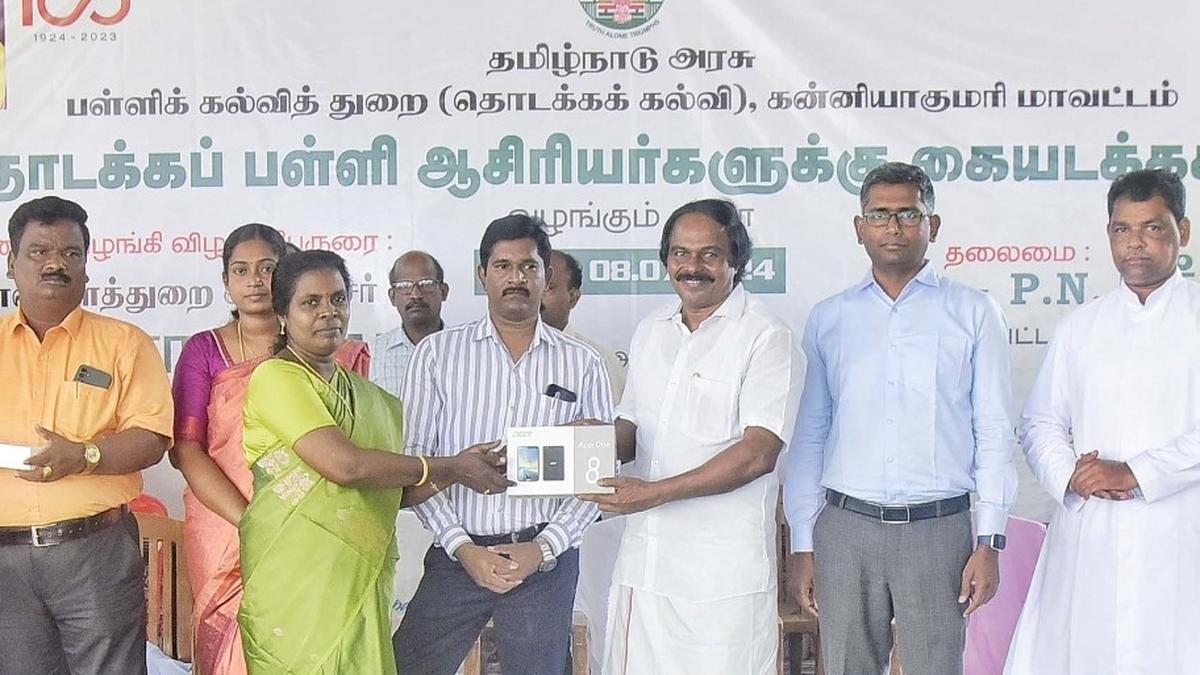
(556, 535)
(1147, 477)
(801, 538)
(989, 520)
(1067, 497)
(452, 538)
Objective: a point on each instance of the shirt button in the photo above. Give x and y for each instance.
(889, 460)
(892, 347)
(891, 383)
(889, 421)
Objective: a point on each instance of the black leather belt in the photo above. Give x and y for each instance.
(53, 534)
(518, 537)
(899, 515)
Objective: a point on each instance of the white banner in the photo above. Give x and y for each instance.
(371, 128)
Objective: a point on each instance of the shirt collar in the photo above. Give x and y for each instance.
(484, 329)
(70, 323)
(398, 336)
(1156, 297)
(733, 306)
(926, 276)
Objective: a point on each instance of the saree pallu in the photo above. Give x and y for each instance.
(318, 558)
(211, 542)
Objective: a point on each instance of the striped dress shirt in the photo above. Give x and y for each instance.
(462, 388)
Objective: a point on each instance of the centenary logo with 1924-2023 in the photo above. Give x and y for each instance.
(621, 18)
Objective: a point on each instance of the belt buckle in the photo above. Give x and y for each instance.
(883, 515)
(37, 540)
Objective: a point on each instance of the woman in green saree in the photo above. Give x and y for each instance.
(324, 447)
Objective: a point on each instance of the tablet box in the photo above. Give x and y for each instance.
(561, 461)
(14, 456)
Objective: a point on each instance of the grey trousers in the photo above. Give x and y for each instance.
(78, 608)
(868, 573)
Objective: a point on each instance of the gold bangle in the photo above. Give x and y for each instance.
(424, 471)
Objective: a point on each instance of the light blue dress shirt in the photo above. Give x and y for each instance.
(904, 402)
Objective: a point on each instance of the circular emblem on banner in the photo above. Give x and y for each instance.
(621, 15)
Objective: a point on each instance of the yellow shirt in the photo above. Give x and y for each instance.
(37, 386)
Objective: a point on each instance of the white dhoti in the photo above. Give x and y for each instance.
(651, 634)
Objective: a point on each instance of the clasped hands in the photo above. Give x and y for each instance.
(1103, 478)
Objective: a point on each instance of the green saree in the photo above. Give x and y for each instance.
(317, 558)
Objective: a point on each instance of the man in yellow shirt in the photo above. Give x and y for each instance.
(89, 395)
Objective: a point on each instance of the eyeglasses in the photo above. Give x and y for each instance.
(426, 286)
(906, 217)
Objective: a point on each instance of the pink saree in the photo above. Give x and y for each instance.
(209, 393)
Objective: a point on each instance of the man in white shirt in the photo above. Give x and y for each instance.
(563, 291)
(416, 288)
(714, 383)
(1112, 431)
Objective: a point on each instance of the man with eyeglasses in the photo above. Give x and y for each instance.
(417, 288)
(905, 412)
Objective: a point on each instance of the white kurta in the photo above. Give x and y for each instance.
(1117, 588)
(697, 576)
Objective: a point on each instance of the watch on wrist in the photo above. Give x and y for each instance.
(549, 561)
(996, 541)
(91, 457)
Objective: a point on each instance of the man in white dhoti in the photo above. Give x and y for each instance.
(1112, 431)
(714, 384)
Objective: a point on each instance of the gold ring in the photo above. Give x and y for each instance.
(47, 471)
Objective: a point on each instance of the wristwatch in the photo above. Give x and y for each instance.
(549, 562)
(996, 541)
(91, 458)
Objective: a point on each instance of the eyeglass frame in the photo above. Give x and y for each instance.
(429, 286)
(901, 216)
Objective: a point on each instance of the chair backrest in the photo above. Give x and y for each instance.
(991, 627)
(168, 593)
(145, 503)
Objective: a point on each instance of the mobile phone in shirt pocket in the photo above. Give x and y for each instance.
(710, 407)
(555, 411)
(83, 412)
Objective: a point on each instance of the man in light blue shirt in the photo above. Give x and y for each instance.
(905, 411)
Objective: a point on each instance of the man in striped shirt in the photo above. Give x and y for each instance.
(514, 559)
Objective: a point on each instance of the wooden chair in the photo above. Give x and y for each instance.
(168, 593)
(793, 621)
(580, 665)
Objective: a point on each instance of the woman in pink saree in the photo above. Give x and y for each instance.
(209, 386)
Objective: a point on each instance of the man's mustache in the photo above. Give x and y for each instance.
(58, 276)
(693, 276)
(517, 289)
